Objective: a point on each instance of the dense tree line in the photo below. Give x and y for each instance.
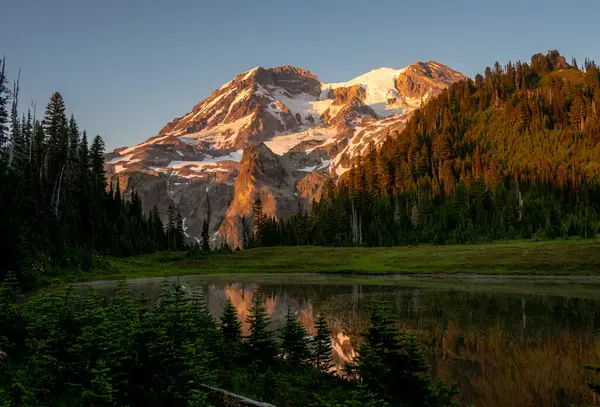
(70, 350)
(56, 211)
(513, 153)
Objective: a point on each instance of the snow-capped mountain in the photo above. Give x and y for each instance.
(277, 133)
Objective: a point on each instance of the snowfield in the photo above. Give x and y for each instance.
(380, 86)
(284, 143)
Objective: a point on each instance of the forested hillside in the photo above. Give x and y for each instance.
(56, 211)
(513, 153)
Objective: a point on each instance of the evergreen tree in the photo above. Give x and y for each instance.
(100, 391)
(293, 340)
(4, 98)
(179, 232)
(260, 342)
(56, 144)
(231, 327)
(322, 345)
(259, 221)
(158, 230)
(97, 164)
(170, 229)
(390, 362)
(205, 236)
(16, 137)
(231, 331)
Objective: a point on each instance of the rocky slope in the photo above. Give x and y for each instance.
(276, 133)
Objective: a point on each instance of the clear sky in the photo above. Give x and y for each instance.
(127, 67)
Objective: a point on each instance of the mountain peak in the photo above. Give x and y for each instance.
(290, 69)
(248, 74)
(278, 133)
(274, 73)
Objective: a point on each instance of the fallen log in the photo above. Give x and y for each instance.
(225, 398)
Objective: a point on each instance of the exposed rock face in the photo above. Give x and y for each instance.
(344, 95)
(312, 187)
(295, 80)
(264, 175)
(426, 79)
(277, 133)
(348, 114)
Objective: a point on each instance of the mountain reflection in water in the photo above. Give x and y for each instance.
(242, 295)
(503, 349)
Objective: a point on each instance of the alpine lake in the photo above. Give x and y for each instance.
(506, 341)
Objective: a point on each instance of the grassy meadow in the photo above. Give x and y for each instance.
(549, 258)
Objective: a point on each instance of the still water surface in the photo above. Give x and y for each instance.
(507, 342)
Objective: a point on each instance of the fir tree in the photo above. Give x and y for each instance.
(100, 391)
(322, 345)
(259, 221)
(231, 327)
(205, 236)
(231, 331)
(179, 232)
(16, 137)
(97, 164)
(4, 98)
(170, 227)
(390, 362)
(293, 340)
(56, 140)
(260, 342)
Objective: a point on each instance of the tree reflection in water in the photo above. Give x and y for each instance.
(502, 349)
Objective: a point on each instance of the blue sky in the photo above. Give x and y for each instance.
(127, 67)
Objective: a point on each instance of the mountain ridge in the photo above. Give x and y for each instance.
(313, 126)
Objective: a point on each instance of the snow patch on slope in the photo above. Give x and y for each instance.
(145, 143)
(125, 162)
(379, 85)
(196, 166)
(304, 104)
(235, 156)
(184, 227)
(219, 135)
(120, 159)
(321, 166)
(283, 143)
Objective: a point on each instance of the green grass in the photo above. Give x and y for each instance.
(553, 258)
